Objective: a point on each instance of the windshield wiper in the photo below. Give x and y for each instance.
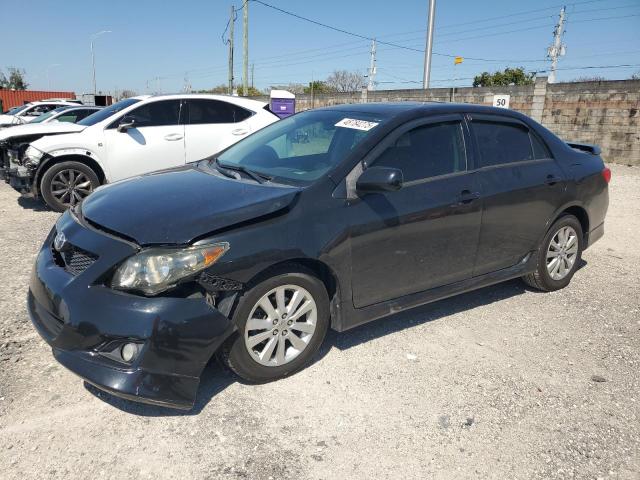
(258, 177)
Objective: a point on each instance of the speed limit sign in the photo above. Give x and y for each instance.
(501, 101)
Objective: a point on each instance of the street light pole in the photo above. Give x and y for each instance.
(429, 46)
(93, 59)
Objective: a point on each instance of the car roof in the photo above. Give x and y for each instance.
(393, 109)
(241, 101)
(62, 103)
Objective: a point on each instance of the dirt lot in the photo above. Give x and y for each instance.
(499, 383)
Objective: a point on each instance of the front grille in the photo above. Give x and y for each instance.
(73, 259)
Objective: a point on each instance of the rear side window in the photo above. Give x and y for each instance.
(427, 151)
(215, 111)
(156, 114)
(501, 143)
(540, 150)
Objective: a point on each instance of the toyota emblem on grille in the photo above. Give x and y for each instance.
(60, 242)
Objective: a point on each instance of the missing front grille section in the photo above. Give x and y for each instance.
(218, 284)
(73, 259)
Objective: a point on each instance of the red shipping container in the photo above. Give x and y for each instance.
(14, 98)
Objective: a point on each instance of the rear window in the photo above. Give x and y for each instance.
(502, 143)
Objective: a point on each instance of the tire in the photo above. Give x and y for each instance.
(236, 352)
(542, 279)
(68, 177)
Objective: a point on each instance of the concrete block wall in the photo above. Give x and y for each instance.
(604, 113)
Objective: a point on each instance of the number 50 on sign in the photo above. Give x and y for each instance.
(501, 101)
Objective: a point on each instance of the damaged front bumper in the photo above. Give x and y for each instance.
(86, 324)
(15, 174)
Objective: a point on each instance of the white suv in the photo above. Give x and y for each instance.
(132, 137)
(29, 112)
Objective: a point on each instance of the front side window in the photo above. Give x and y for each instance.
(50, 114)
(303, 147)
(427, 151)
(501, 143)
(203, 111)
(157, 114)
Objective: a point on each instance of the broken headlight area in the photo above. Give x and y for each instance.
(32, 157)
(155, 270)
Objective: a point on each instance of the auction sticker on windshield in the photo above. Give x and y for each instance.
(356, 124)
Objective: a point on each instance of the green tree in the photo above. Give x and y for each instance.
(218, 89)
(509, 76)
(16, 79)
(253, 92)
(319, 86)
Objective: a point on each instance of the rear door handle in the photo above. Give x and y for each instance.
(552, 180)
(240, 131)
(172, 137)
(467, 196)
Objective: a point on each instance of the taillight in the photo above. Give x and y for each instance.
(606, 174)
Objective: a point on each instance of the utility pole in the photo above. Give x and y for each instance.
(93, 58)
(232, 22)
(557, 50)
(245, 47)
(429, 46)
(372, 66)
(252, 68)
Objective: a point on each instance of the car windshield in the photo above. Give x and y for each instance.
(50, 114)
(303, 147)
(107, 112)
(16, 110)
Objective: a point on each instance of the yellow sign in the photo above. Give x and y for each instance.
(457, 60)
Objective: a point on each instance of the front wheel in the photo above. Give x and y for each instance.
(65, 184)
(559, 255)
(281, 322)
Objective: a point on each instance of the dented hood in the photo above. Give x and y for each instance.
(51, 128)
(180, 205)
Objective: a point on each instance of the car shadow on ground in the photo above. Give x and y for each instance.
(216, 378)
(33, 204)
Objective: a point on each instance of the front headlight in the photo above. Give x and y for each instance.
(156, 269)
(32, 157)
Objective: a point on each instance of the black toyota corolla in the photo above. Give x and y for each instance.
(327, 219)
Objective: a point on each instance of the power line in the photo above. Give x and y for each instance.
(364, 37)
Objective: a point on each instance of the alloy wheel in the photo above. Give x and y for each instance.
(562, 252)
(70, 186)
(281, 325)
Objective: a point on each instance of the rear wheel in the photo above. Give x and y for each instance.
(65, 184)
(281, 322)
(559, 255)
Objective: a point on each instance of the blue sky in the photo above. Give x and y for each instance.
(170, 39)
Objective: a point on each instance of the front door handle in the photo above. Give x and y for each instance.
(552, 180)
(467, 196)
(240, 131)
(172, 137)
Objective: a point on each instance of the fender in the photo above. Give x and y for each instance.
(561, 209)
(83, 152)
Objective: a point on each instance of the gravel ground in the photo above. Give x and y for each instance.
(499, 383)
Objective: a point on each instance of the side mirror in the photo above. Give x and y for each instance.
(379, 179)
(126, 123)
